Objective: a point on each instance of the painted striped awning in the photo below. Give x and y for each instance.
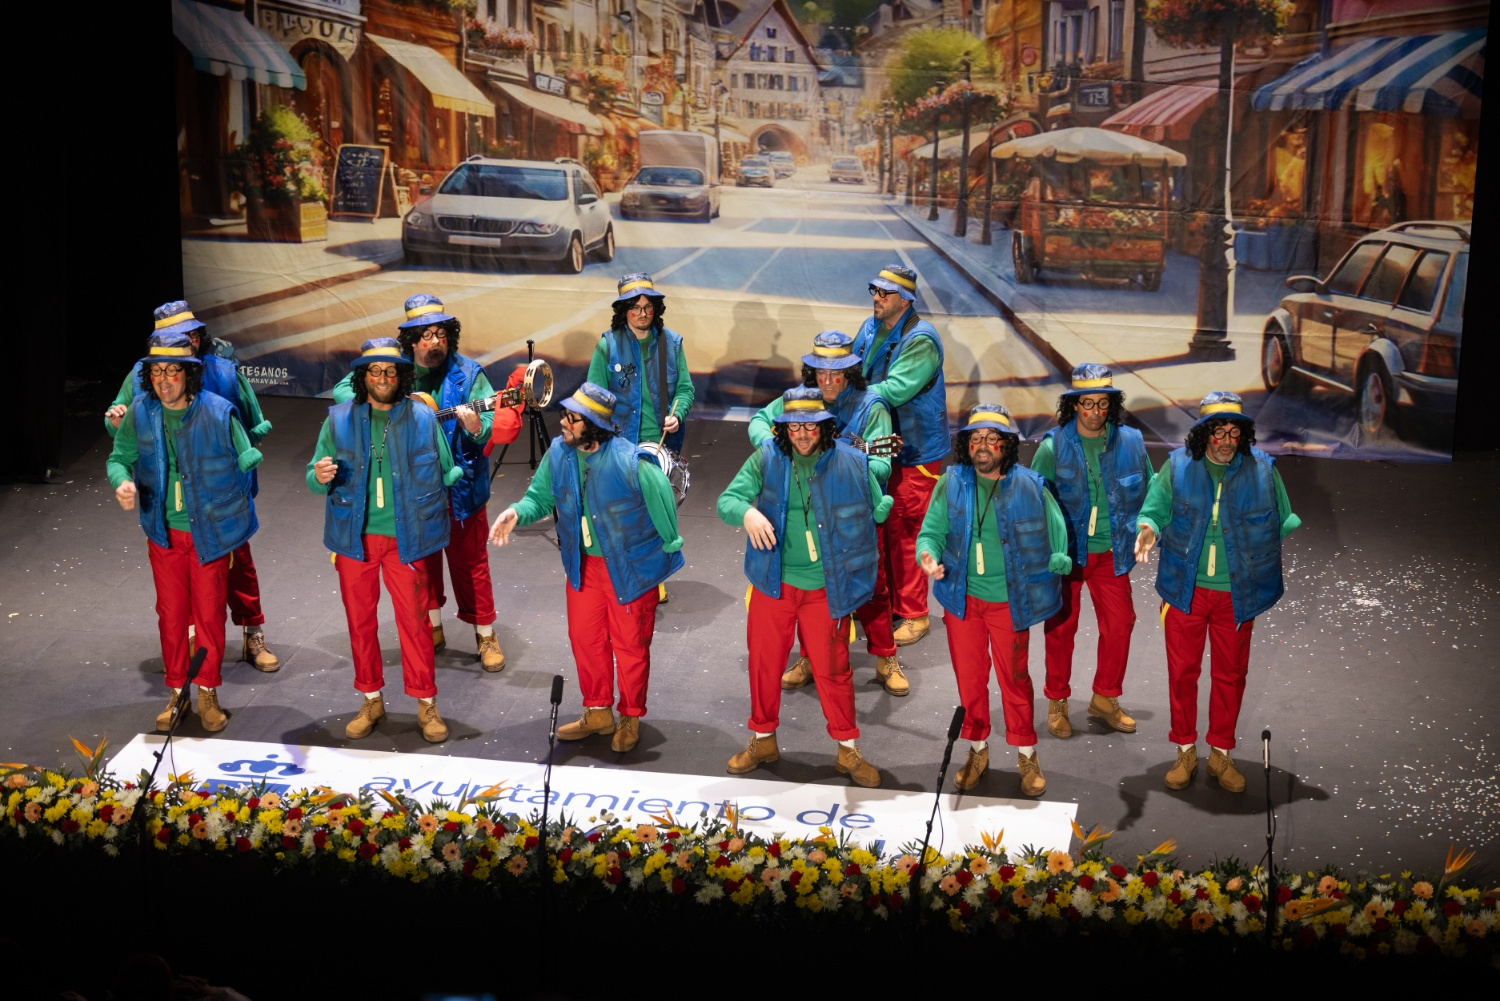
(224, 43)
(1440, 75)
(445, 83)
(1168, 113)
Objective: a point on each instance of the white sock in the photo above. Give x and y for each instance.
(1187, 747)
(484, 630)
(848, 743)
(176, 691)
(762, 736)
(435, 615)
(1027, 752)
(191, 632)
(1219, 749)
(205, 688)
(372, 696)
(426, 702)
(979, 745)
(594, 708)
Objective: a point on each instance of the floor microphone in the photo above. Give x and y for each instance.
(557, 683)
(1265, 749)
(958, 724)
(196, 664)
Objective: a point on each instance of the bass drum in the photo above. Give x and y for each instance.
(671, 463)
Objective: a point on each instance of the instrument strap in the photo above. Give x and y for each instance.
(661, 380)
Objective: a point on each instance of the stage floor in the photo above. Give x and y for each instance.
(1370, 673)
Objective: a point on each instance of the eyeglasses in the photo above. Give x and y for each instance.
(386, 372)
(1088, 404)
(165, 371)
(1226, 433)
(432, 335)
(797, 427)
(992, 439)
(641, 309)
(569, 417)
(881, 293)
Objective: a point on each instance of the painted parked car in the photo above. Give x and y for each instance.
(756, 171)
(670, 191)
(1383, 327)
(535, 209)
(846, 168)
(784, 163)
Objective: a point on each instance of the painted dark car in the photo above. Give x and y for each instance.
(782, 162)
(756, 171)
(669, 191)
(1384, 327)
(846, 168)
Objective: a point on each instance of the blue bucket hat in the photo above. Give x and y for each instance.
(895, 278)
(171, 347)
(1092, 378)
(1221, 403)
(638, 284)
(803, 405)
(832, 349)
(175, 318)
(989, 415)
(423, 310)
(594, 403)
(380, 349)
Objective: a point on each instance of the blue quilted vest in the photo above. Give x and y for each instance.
(922, 422)
(840, 494)
(1122, 465)
(471, 493)
(1251, 525)
(629, 372)
(216, 495)
(1020, 512)
(618, 515)
(851, 411)
(420, 498)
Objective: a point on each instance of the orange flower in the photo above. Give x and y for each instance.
(485, 825)
(517, 865)
(1110, 893)
(949, 884)
(1374, 911)
(817, 856)
(1476, 928)
(1234, 885)
(1202, 921)
(979, 865)
(200, 830)
(769, 876)
(16, 780)
(1020, 897)
(1059, 861)
(1327, 885)
(450, 851)
(612, 858)
(646, 834)
(427, 822)
(121, 816)
(88, 788)
(270, 801)
(291, 827)
(848, 890)
(735, 844)
(685, 860)
(1423, 890)
(905, 864)
(33, 811)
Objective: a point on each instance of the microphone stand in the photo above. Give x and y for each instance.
(1271, 903)
(557, 685)
(179, 710)
(919, 871)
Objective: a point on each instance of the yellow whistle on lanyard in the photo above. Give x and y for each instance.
(812, 547)
(178, 487)
(1093, 518)
(380, 493)
(979, 558)
(588, 539)
(1213, 559)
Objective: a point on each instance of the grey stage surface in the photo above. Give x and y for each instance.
(1371, 672)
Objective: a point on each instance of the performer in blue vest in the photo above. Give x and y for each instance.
(809, 505)
(429, 336)
(1099, 470)
(994, 540)
(858, 414)
(222, 377)
(617, 529)
(383, 462)
(903, 361)
(1221, 511)
(181, 453)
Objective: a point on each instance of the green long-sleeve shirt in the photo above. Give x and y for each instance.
(430, 381)
(1156, 513)
(913, 370)
(256, 425)
(799, 567)
(120, 466)
(1044, 464)
(877, 425)
(380, 519)
(656, 490)
(682, 393)
(987, 579)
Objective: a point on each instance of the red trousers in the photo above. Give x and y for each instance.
(1229, 661)
(406, 583)
(874, 615)
(469, 565)
(772, 624)
(987, 631)
(189, 592)
(244, 589)
(1115, 611)
(910, 488)
(610, 639)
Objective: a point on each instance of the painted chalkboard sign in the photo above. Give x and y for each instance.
(359, 180)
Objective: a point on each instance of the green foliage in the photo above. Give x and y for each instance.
(932, 56)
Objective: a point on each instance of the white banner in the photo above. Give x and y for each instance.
(891, 816)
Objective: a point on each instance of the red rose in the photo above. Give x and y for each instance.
(774, 849)
(1283, 894)
(295, 813)
(164, 835)
(673, 835)
(724, 845)
(403, 843)
(872, 901)
(1399, 907)
(366, 850)
(1117, 871)
(106, 811)
(242, 844)
(1150, 878)
(356, 827)
(965, 909)
(448, 825)
(229, 815)
(531, 843)
(794, 878)
(614, 876)
(678, 884)
(1087, 882)
(731, 885)
(1251, 902)
(320, 838)
(722, 862)
(624, 849)
(895, 901)
(1452, 908)
(1073, 914)
(1201, 893)
(501, 830)
(253, 803)
(485, 853)
(593, 837)
(469, 865)
(964, 877)
(851, 869)
(1051, 896)
(1175, 896)
(69, 826)
(194, 819)
(1337, 894)
(288, 842)
(1007, 872)
(565, 856)
(1002, 914)
(993, 894)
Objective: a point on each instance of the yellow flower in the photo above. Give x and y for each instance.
(56, 811)
(96, 829)
(1134, 915)
(346, 855)
(1059, 861)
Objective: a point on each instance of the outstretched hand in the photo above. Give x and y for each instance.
(1144, 541)
(931, 567)
(505, 523)
(758, 527)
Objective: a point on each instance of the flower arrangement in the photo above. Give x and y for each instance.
(1184, 23)
(982, 889)
(280, 162)
(600, 87)
(490, 36)
(946, 105)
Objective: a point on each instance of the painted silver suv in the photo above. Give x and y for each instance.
(1384, 326)
(532, 209)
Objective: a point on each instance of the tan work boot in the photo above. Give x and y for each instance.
(911, 630)
(627, 734)
(888, 672)
(438, 639)
(164, 718)
(257, 654)
(977, 763)
(371, 711)
(214, 719)
(853, 764)
(1108, 709)
(797, 675)
(759, 751)
(1221, 767)
(1181, 773)
(434, 730)
(491, 657)
(1033, 783)
(592, 721)
(1057, 719)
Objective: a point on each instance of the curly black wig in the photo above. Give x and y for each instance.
(409, 337)
(192, 374)
(1067, 408)
(826, 436)
(1011, 443)
(618, 321)
(852, 375)
(592, 434)
(406, 376)
(1198, 436)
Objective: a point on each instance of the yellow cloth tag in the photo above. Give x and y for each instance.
(380, 493)
(812, 547)
(1093, 517)
(588, 540)
(978, 558)
(1213, 559)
